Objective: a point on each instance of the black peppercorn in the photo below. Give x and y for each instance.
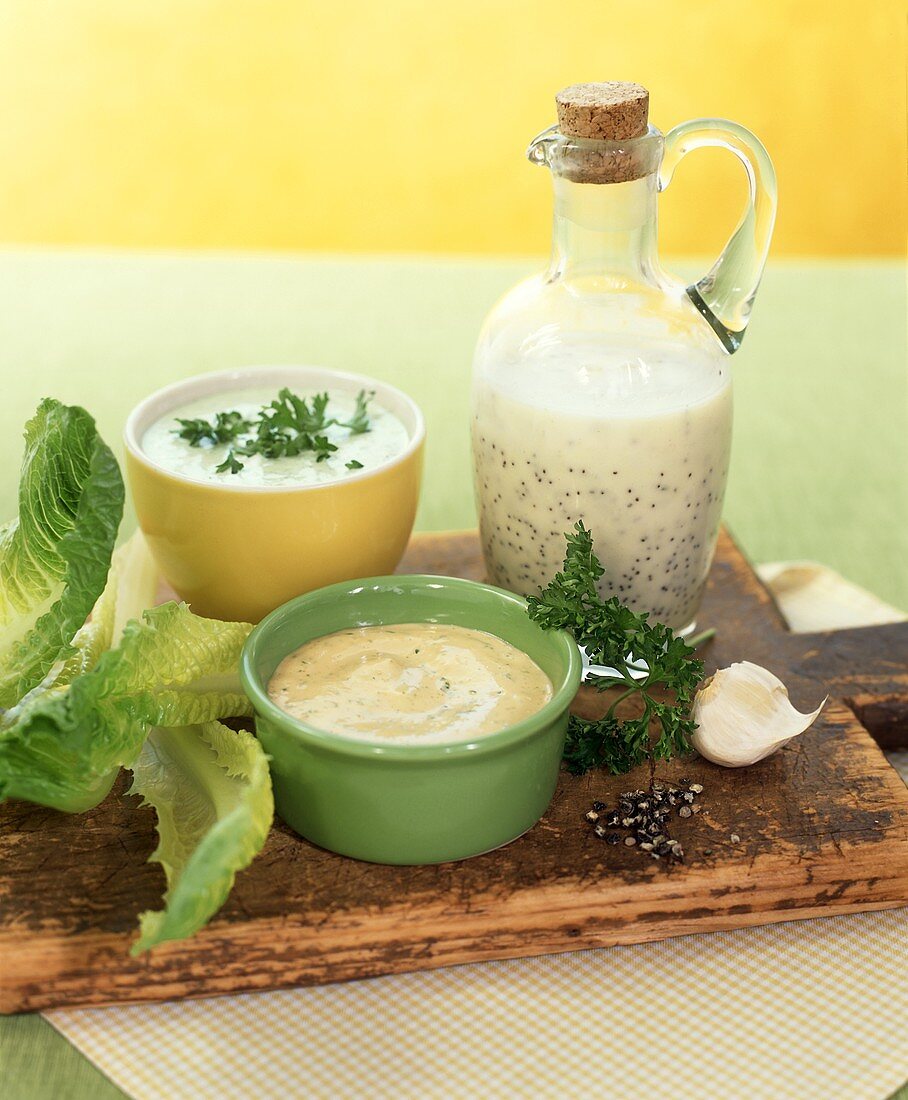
(645, 815)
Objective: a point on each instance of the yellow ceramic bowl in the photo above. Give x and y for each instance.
(238, 552)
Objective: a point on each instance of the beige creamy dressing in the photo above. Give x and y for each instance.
(386, 438)
(410, 684)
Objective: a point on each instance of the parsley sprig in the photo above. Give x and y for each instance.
(287, 426)
(617, 637)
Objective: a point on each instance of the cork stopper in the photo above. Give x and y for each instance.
(614, 111)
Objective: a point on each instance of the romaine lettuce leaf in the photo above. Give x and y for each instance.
(211, 790)
(55, 556)
(61, 747)
(132, 587)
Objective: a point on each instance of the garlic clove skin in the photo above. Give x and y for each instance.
(743, 715)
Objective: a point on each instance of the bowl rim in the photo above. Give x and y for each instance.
(237, 378)
(562, 696)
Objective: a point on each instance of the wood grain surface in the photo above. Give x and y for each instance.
(822, 828)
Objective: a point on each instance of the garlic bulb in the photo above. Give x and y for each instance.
(743, 714)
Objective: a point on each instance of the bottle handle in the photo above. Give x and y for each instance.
(725, 294)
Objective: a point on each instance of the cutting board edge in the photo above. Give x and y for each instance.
(15, 999)
(547, 920)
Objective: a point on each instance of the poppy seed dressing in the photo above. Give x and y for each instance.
(634, 442)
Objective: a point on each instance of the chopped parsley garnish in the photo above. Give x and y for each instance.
(230, 463)
(359, 421)
(225, 428)
(617, 637)
(288, 426)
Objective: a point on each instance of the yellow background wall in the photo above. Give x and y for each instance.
(397, 125)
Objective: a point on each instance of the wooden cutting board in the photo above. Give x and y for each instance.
(822, 828)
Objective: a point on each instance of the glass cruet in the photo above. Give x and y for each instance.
(601, 386)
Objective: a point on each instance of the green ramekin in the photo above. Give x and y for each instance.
(411, 804)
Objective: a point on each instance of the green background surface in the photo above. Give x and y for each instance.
(821, 434)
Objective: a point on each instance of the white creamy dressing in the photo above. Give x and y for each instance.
(635, 441)
(386, 438)
(410, 684)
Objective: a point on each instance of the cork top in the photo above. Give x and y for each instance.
(604, 125)
(613, 111)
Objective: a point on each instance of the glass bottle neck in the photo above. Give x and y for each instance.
(605, 233)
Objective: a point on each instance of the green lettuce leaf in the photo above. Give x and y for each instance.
(132, 586)
(61, 747)
(55, 556)
(211, 790)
